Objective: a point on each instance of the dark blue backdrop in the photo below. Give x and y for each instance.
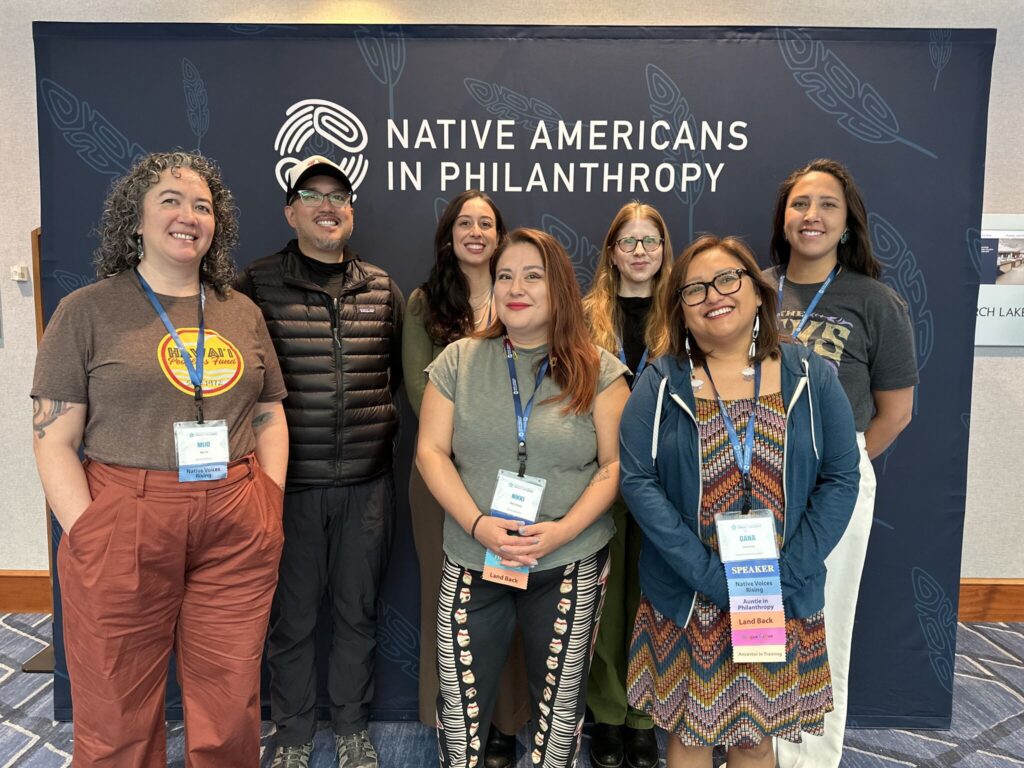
(904, 108)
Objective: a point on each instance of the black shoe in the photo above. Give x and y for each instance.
(606, 746)
(641, 748)
(500, 751)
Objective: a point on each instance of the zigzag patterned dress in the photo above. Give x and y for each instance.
(685, 677)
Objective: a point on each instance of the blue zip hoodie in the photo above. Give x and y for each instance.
(661, 484)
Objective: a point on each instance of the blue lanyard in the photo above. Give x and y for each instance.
(639, 366)
(195, 372)
(743, 454)
(814, 301)
(522, 416)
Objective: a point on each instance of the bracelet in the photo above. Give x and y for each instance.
(472, 530)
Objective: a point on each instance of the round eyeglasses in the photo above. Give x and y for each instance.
(650, 243)
(725, 283)
(311, 198)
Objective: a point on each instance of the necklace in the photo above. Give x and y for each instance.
(485, 317)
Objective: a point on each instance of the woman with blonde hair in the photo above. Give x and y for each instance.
(625, 310)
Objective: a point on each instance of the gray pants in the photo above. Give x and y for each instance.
(336, 540)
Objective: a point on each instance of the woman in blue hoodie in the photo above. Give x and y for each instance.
(684, 437)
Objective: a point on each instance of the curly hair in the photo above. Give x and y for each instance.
(122, 213)
(855, 254)
(449, 316)
(600, 305)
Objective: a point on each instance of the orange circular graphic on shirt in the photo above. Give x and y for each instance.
(222, 362)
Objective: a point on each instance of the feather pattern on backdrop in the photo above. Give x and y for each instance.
(98, 143)
(582, 253)
(937, 619)
(834, 88)
(668, 103)
(940, 49)
(197, 103)
(384, 55)
(506, 104)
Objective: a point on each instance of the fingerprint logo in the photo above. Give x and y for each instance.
(320, 122)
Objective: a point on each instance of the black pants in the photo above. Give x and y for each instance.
(338, 540)
(557, 613)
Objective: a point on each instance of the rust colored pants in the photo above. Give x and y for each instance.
(154, 564)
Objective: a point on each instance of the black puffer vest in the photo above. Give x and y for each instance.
(336, 360)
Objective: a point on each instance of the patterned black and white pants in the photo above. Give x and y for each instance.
(558, 614)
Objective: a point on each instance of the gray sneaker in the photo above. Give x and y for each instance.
(355, 751)
(292, 757)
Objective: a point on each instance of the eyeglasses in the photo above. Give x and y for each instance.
(726, 283)
(628, 244)
(311, 198)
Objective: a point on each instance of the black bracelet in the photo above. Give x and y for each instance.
(472, 531)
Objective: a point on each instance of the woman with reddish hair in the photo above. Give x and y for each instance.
(518, 443)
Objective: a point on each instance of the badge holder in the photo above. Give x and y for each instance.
(516, 497)
(746, 542)
(202, 450)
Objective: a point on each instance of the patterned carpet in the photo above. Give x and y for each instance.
(987, 732)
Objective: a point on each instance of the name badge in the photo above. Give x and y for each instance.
(202, 450)
(750, 555)
(515, 498)
(748, 536)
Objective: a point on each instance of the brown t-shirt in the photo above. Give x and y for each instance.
(105, 346)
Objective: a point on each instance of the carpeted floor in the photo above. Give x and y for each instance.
(987, 732)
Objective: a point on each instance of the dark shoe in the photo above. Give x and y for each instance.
(500, 751)
(641, 748)
(606, 746)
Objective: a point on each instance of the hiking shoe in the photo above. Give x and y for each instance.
(293, 757)
(355, 750)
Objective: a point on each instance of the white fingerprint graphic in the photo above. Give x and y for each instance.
(330, 122)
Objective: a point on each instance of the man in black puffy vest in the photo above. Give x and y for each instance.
(336, 324)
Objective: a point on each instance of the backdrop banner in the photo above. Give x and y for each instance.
(562, 125)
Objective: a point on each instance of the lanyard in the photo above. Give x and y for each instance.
(639, 366)
(743, 454)
(814, 301)
(195, 372)
(522, 416)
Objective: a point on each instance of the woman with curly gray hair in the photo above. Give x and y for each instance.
(168, 381)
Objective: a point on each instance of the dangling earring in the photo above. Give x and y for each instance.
(843, 238)
(138, 247)
(748, 372)
(694, 381)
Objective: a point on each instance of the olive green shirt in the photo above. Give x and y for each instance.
(561, 448)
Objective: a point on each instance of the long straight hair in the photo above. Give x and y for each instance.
(855, 254)
(601, 306)
(449, 315)
(574, 358)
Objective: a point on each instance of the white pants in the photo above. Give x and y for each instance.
(845, 565)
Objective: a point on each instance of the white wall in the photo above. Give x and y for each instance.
(993, 500)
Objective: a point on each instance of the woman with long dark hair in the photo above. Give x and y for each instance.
(832, 301)
(518, 443)
(625, 311)
(454, 302)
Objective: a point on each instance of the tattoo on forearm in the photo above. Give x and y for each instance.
(603, 473)
(260, 420)
(45, 412)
